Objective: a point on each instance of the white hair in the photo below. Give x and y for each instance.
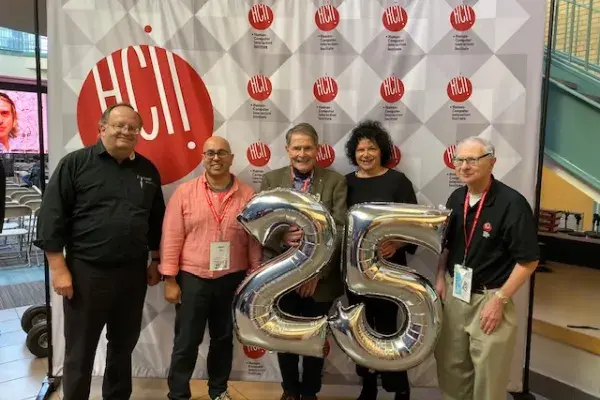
(488, 147)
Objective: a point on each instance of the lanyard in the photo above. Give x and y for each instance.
(469, 239)
(218, 217)
(306, 181)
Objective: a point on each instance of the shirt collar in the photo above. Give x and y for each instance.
(99, 149)
(490, 197)
(234, 186)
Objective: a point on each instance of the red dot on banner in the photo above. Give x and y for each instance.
(327, 17)
(325, 89)
(459, 89)
(172, 100)
(259, 87)
(394, 18)
(258, 154)
(254, 352)
(147, 29)
(260, 16)
(391, 89)
(462, 18)
(325, 155)
(449, 156)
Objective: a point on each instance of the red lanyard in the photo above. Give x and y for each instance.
(469, 239)
(306, 182)
(305, 185)
(218, 217)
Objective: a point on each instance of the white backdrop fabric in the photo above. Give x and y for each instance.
(433, 71)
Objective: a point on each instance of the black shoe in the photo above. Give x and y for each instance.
(311, 397)
(287, 396)
(368, 392)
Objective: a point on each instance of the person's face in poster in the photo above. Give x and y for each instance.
(7, 119)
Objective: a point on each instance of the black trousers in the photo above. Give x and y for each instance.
(202, 301)
(312, 367)
(382, 315)
(102, 295)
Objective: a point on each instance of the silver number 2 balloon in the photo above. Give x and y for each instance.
(257, 318)
(367, 274)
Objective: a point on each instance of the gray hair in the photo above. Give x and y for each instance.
(106, 114)
(488, 147)
(305, 129)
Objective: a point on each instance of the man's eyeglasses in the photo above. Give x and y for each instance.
(125, 128)
(471, 161)
(212, 153)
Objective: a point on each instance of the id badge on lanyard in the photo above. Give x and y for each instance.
(220, 250)
(463, 275)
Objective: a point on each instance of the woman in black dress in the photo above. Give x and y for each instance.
(370, 148)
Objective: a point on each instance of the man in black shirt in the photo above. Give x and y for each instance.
(104, 208)
(490, 251)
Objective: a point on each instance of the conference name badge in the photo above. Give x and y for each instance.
(219, 256)
(463, 279)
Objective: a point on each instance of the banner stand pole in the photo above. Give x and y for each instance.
(50, 383)
(526, 394)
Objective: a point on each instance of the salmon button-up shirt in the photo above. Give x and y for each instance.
(190, 227)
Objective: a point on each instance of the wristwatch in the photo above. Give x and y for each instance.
(157, 259)
(501, 296)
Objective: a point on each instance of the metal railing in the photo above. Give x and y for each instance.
(576, 33)
(21, 43)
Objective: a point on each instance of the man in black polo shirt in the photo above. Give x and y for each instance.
(487, 257)
(104, 207)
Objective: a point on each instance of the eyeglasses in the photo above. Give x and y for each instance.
(212, 153)
(125, 128)
(471, 161)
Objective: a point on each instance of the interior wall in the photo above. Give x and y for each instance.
(558, 194)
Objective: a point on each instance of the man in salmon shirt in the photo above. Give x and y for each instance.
(205, 255)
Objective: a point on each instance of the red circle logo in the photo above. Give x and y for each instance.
(260, 16)
(462, 17)
(394, 18)
(254, 352)
(327, 18)
(258, 154)
(325, 155)
(459, 89)
(259, 87)
(325, 89)
(487, 227)
(391, 89)
(169, 95)
(395, 159)
(449, 155)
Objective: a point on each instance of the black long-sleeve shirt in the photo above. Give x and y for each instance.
(100, 211)
(393, 186)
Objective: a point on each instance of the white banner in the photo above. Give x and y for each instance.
(433, 71)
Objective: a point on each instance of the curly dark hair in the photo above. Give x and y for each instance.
(372, 130)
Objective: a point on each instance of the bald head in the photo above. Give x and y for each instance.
(216, 142)
(217, 157)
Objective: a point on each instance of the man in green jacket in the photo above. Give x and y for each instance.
(315, 297)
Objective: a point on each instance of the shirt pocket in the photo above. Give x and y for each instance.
(142, 195)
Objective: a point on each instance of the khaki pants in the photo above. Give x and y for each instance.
(472, 365)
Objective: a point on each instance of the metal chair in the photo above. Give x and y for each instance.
(19, 212)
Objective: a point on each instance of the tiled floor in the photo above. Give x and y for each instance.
(21, 274)
(21, 375)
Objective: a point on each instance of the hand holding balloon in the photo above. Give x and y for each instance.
(292, 237)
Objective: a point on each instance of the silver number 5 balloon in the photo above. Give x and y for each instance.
(368, 274)
(257, 318)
